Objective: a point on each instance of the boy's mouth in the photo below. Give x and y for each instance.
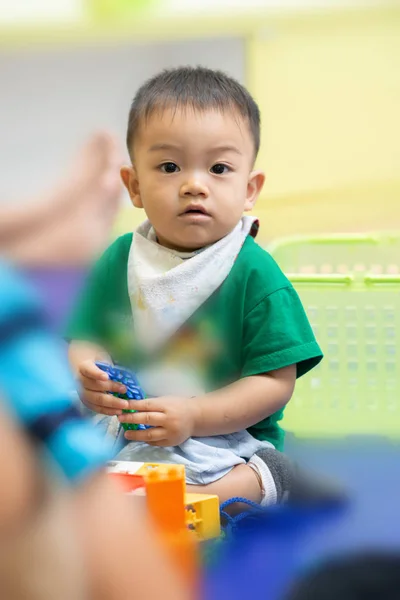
(195, 209)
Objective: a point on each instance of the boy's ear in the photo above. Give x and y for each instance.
(131, 182)
(254, 187)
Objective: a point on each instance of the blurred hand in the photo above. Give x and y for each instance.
(123, 552)
(56, 543)
(96, 387)
(171, 419)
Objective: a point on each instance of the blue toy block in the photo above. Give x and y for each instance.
(133, 389)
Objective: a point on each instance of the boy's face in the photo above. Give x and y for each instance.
(192, 174)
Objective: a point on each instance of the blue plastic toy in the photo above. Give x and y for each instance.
(133, 389)
(37, 386)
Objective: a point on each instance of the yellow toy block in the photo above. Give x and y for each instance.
(202, 515)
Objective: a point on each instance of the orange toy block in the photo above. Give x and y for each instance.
(165, 495)
(165, 491)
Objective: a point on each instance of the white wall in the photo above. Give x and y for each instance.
(40, 11)
(52, 98)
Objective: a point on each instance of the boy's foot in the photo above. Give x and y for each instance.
(296, 486)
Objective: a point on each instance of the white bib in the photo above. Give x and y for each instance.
(166, 287)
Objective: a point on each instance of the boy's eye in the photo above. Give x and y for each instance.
(169, 167)
(219, 169)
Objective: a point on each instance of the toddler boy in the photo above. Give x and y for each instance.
(214, 330)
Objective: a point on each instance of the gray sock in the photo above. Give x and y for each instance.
(281, 469)
(296, 485)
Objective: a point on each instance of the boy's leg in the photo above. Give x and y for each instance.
(292, 484)
(271, 477)
(241, 482)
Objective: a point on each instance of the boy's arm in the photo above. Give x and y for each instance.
(233, 408)
(243, 403)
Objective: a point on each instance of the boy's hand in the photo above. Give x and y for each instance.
(171, 418)
(95, 385)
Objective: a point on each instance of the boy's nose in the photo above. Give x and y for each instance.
(194, 187)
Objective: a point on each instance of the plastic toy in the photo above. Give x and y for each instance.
(199, 512)
(165, 491)
(129, 483)
(202, 515)
(133, 389)
(165, 494)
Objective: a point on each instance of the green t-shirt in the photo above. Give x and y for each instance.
(252, 324)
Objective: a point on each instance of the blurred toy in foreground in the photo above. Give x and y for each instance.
(183, 519)
(198, 512)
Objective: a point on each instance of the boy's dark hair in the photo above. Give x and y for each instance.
(196, 87)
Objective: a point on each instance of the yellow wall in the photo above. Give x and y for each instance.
(329, 91)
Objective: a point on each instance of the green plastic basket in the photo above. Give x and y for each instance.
(340, 254)
(356, 319)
